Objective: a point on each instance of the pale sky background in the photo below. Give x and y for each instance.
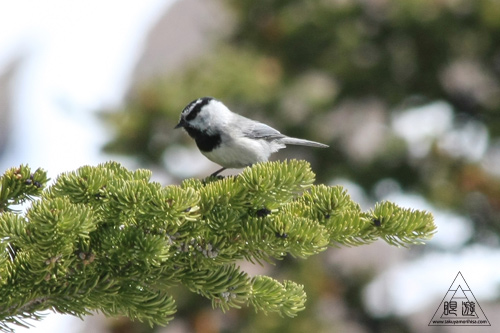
(76, 57)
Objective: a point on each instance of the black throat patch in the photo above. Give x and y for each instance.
(205, 142)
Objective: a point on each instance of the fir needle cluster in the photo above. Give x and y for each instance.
(103, 238)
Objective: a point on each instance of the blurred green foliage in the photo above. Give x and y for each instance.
(326, 70)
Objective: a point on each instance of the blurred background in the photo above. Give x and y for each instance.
(405, 92)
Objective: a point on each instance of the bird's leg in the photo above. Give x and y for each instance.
(217, 172)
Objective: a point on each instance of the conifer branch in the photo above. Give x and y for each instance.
(107, 239)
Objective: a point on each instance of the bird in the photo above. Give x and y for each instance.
(229, 139)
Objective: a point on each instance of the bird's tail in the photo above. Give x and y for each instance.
(301, 142)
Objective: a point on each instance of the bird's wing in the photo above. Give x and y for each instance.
(257, 130)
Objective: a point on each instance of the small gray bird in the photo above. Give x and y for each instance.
(231, 140)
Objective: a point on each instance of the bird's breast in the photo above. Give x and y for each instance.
(240, 153)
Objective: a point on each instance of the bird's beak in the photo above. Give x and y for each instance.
(180, 124)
